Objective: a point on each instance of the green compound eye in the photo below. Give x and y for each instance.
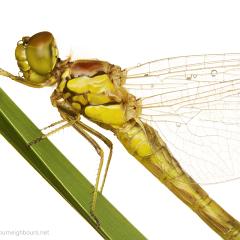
(42, 53)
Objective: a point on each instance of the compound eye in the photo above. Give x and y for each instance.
(42, 53)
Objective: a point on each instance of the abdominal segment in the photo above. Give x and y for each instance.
(144, 143)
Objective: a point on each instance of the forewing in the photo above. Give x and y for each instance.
(194, 104)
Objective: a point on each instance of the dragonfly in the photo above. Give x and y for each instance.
(179, 117)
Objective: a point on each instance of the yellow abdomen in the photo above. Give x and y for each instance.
(147, 146)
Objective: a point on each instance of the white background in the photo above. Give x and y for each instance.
(124, 33)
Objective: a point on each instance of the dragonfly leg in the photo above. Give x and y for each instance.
(107, 166)
(107, 142)
(95, 192)
(39, 139)
(83, 129)
(79, 127)
(54, 124)
(11, 76)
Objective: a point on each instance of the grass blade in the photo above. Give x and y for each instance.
(60, 173)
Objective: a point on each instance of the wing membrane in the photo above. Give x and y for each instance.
(194, 103)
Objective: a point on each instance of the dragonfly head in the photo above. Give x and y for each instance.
(37, 57)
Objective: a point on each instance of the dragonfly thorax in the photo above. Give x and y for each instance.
(94, 89)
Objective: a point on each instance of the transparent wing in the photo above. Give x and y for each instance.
(194, 104)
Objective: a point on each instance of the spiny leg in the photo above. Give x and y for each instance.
(37, 140)
(106, 170)
(100, 152)
(22, 80)
(9, 75)
(107, 142)
(81, 127)
(54, 124)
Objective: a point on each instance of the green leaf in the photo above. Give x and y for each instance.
(60, 173)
